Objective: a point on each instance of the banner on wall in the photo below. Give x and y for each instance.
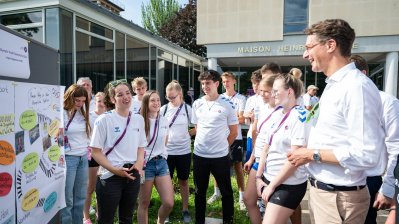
(29, 154)
(14, 56)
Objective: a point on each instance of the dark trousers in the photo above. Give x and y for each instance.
(113, 192)
(374, 184)
(220, 169)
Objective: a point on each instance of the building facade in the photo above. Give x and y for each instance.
(243, 35)
(94, 41)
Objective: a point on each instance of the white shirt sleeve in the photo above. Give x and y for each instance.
(194, 116)
(306, 100)
(363, 117)
(391, 119)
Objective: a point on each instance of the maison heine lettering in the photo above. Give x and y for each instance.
(279, 48)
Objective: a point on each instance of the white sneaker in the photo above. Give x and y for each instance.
(214, 198)
(242, 205)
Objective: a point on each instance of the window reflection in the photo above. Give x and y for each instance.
(94, 61)
(22, 18)
(295, 16)
(137, 58)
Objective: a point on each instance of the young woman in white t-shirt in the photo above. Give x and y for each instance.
(117, 144)
(178, 114)
(76, 141)
(281, 184)
(156, 169)
(93, 165)
(261, 123)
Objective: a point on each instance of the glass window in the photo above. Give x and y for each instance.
(52, 28)
(93, 27)
(120, 55)
(66, 40)
(22, 18)
(295, 16)
(137, 59)
(184, 74)
(96, 62)
(165, 54)
(153, 81)
(35, 33)
(29, 24)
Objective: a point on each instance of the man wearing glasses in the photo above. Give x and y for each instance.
(348, 136)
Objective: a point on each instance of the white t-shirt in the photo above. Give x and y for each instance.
(76, 134)
(159, 140)
(260, 107)
(294, 131)
(136, 105)
(92, 105)
(93, 117)
(309, 100)
(213, 119)
(107, 130)
(250, 106)
(266, 127)
(179, 140)
(238, 101)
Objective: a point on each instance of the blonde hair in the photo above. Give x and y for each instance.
(175, 85)
(296, 72)
(139, 81)
(99, 94)
(228, 75)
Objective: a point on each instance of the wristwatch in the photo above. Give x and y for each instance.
(316, 156)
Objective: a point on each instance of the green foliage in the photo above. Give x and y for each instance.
(157, 13)
(182, 29)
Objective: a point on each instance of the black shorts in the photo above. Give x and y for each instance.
(182, 164)
(93, 163)
(236, 151)
(289, 196)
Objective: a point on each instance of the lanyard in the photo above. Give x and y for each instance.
(175, 116)
(281, 124)
(155, 131)
(268, 117)
(122, 135)
(70, 120)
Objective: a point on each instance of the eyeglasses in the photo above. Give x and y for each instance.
(117, 82)
(308, 48)
(171, 97)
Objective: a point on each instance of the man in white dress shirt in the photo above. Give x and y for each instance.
(348, 136)
(382, 190)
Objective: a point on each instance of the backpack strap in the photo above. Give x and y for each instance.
(166, 109)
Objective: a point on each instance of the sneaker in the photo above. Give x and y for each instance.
(186, 217)
(242, 205)
(262, 209)
(214, 198)
(167, 220)
(87, 221)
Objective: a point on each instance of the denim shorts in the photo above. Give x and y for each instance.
(156, 168)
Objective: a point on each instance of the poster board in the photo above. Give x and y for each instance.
(39, 167)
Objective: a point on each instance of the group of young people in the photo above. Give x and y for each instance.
(137, 144)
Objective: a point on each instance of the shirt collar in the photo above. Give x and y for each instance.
(341, 73)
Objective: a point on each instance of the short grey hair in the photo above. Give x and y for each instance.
(83, 79)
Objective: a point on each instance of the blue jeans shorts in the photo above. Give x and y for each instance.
(156, 167)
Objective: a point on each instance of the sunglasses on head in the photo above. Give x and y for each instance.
(117, 82)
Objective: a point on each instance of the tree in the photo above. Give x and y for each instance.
(157, 13)
(182, 29)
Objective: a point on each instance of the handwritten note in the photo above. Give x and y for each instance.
(7, 153)
(39, 99)
(6, 124)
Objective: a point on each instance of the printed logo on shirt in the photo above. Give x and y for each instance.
(313, 115)
(302, 114)
(117, 129)
(286, 127)
(219, 111)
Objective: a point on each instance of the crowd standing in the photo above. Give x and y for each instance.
(344, 144)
